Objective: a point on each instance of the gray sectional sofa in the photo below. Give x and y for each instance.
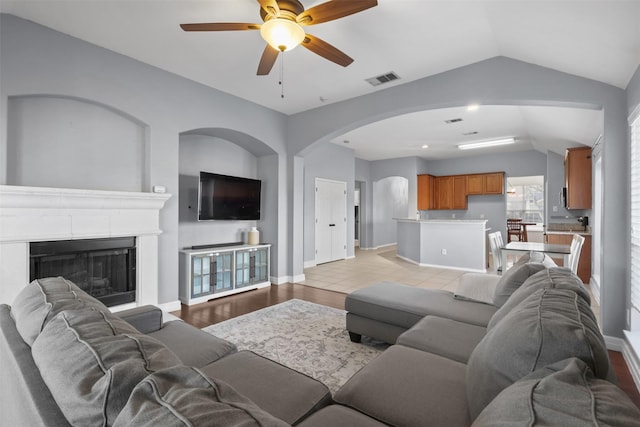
(536, 358)
(67, 360)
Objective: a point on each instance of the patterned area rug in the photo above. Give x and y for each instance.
(304, 336)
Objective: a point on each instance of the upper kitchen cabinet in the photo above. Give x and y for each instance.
(485, 183)
(577, 176)
(426, 192)
(451, 192)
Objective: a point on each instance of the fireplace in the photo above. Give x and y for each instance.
(30, 215)
(104, 268)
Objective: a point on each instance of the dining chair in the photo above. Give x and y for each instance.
(496, 254)
(574, 256)
(514, 229)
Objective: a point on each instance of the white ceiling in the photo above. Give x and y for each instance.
(599, 40)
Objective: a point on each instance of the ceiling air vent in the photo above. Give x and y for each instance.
(384, 78)
(453, 121)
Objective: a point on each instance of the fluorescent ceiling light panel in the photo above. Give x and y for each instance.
(482, 144)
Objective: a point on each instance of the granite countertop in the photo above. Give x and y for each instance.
(567, 228)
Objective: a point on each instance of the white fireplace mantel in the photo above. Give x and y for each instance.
(36, 214)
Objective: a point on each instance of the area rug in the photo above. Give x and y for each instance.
(310, 338)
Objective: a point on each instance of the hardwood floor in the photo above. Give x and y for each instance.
(221, 309)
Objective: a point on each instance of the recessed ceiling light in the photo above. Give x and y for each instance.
(425, 146)
(472, 107)
(490, 143)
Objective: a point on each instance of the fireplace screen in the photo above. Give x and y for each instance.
(104, 268)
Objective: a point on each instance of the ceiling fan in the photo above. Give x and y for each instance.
(282, 28)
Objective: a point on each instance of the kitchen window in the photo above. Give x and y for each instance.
(525, 198)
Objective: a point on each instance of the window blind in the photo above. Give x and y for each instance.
(635, 213)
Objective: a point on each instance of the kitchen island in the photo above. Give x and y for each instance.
(459, 244)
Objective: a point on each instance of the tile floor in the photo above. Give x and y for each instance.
(369, 267)
(373, 266)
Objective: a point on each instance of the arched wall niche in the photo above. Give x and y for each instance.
(227, 152)
(70, 142)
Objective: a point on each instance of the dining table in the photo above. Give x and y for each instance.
(518, 249)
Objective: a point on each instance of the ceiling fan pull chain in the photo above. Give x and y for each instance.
(281, 82)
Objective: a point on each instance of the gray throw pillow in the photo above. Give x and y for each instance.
(184, 396)
(92, 360)
(550, 278)
(42, 299)
(512, 279)
(563, 394)
(549, 326)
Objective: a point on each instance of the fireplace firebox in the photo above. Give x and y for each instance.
(104, 268)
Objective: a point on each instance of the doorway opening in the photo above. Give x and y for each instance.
(525, 200)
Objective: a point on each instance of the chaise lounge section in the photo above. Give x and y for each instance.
(539, 359)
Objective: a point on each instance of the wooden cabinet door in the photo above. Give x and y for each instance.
(584, 263)
(494, 183)
(475, 184)
(577, 168)
(459, 199)
(426, 192)
(444, 192)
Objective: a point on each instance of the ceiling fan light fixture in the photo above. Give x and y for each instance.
(282, 34)
(490, 143)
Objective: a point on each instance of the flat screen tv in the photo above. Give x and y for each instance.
(228, 197)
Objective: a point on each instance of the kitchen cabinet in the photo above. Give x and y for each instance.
(577, 175)
(426, 192)
(584, 263)
(451, 192)
(459, 192)
(485, 183)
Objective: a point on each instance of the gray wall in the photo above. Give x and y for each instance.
(208, 154)
(504, 81)
(633, 92)
(328, 161)
(36, 60)
(493, 207)
(54, 140)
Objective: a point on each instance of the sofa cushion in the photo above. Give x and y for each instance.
(408, 387)
(404, 305)
(562, 394)
(512, 279)
(445, 337)
(552, 278)
(193, 346)
(549, 326)
(92, 360)
(183, 395)
(283, 392)
(536, 257)
(42, 299)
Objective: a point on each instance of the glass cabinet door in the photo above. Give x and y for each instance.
(243, 268)
(201, 274)
(260, 265)
(223, 272)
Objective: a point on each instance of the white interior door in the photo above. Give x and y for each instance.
(331, 220)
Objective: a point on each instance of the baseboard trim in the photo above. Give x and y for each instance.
(309, 264)
(446, 267)
(631, 357)
(614, 343)
(170, 306)
(594, 284)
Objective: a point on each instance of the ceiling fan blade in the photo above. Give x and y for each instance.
(269, 57)
(325, 50)
(220, 26)
(270, 6)
(334, 9)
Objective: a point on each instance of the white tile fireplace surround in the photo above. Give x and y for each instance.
(38, 214)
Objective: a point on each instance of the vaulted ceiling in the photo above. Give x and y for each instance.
(599, 40)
